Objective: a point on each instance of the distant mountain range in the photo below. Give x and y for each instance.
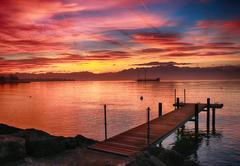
(165, 72)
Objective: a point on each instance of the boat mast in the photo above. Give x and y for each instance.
(145, 74)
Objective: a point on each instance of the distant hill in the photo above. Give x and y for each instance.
(166, 72)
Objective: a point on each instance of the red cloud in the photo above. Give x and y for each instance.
(38, 62)
(29, 26)
(156, 37)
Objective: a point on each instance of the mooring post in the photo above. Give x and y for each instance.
(184, 96)
(213, 119)
(178, 103)
(159, 110)
(175, 95)
(196, 118)
(148, 125)
(105, 120)
(208, 114)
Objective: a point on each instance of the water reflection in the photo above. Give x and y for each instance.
(70, 108)
(188, 142)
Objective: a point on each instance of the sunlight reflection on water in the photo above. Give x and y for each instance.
(70, 108)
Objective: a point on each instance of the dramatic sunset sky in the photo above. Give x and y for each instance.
(38, 36)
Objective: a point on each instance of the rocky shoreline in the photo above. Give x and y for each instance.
(17, 146)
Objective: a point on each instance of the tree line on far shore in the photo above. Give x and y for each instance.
(9, 78)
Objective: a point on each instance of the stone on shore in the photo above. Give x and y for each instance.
(38, 143)
(5, 129)
(157, 156)
(11, 148)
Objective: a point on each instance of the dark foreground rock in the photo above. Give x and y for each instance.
(5, 129)
(17, 143)
(11, 148)
(157, 156)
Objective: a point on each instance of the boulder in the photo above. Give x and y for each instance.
(5, 129)
(170, 157)
(39, 143)
(70, 143)
(11, 148)
(157, 161)
(145, 159)
(83, 141)
(188, 162)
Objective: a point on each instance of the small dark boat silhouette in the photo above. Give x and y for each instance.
(145, 79)
(149, 79)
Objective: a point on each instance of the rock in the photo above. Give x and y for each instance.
(11, 148)
(170, 157)
(70, 143)
(156, 161)
(189, 163)
(144, 159)
(44, 146)
(83, 141)
(39, 143)
(5, 129)
(153, 150)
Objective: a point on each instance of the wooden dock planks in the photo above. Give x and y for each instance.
(134, 140)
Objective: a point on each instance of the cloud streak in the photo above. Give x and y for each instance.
(39, 35)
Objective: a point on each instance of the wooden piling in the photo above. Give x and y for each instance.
(178, 103)
(175, 96)
(208, 115)
(105, 121)
(148, 125)
(159, 110)
(213, 119)
(184, 96)
(196, 117)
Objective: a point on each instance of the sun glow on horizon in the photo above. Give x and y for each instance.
(60, 36)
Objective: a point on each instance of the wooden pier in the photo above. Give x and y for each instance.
(152, 132)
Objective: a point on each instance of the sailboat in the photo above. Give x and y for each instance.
(145, 79)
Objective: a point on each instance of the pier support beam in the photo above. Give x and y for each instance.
(178, 103)
(208, 115)
(196, 117)
(175, 97)
(105, 120)
(159, 110)
(213, 120)
(184, 95)
(148, 125)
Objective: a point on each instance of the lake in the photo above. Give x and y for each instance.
(76, 107)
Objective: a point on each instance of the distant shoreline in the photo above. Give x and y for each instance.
(69, 80)
(33, 80)
(15, 82)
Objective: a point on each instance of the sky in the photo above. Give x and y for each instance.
(40, 36)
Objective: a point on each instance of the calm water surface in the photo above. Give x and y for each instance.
(70, 108)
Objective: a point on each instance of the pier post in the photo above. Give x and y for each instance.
(148, 125)
(175, 97)
(213, 119)
(178, 103)
(196, 117)
(184, 96)
(105, 120)
(159, 110)
(208, 114)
